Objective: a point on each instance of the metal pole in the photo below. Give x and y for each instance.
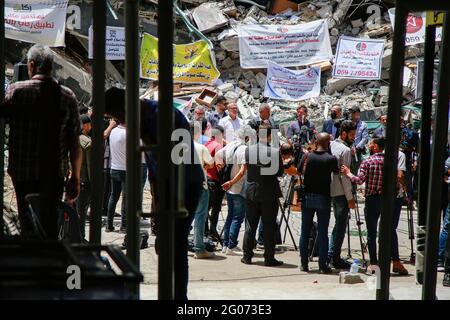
(98, 100)
(132, 105)
(391, 150)
(437, 162)
(2, 120)
(165, 178)
(425, 129)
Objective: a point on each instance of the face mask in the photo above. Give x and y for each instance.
(333, 115)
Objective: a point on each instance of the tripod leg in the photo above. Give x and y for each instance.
(411, 233)
(283, 216)
(286, 227)
(359, 223)
(349, 251)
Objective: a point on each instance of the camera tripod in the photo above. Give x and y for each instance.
(287, 206)
(358, 224)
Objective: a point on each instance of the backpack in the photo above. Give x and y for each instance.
(225, 173)
(143, 239)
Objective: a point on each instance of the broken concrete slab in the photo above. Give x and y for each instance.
(226, 87)
(230, 44)
(335, 84)
(261, 79)
(208, 17)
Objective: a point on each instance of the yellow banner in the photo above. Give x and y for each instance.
(435, 18)
(192, 61)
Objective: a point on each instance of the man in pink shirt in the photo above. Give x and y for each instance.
(215, 185)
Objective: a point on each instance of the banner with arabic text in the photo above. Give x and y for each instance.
(192, 62)
(36, 21)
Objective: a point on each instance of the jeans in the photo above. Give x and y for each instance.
(444, 234)
(260, 239)
(144, 179)
(266, 211)
(83, 201)
(117, 187)
(320, 204)
(215, 204)
(341, 211)
(235, 217)
(372, 212)
(199, 221)
(106, 190)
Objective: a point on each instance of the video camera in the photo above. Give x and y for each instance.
(345, 116)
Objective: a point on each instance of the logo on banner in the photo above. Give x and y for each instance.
(22, 7)
(414, 24)
(282, 29)
(361, 46)
(310, 73)
(190, 51)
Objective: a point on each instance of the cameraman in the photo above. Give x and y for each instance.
(290, 160)
(329, 126)
(303, 128)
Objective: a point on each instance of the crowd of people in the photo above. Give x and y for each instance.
(236, 160)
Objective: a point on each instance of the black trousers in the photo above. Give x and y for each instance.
(216, 195)
(48, 219)
(181, 278)
(267, 210)
(83, 202)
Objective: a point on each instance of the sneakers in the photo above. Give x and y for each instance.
(204, 255)
(372, 268)
(224, 249)
(446, 281)
(273, 263)
(246, 260)
(259, 247)
(440, 266)
(340, 264)
(109, 229)
(397, 267)
(236, 251)
(325, 270)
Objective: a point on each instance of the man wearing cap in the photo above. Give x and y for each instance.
(361, 138)
(84, 198)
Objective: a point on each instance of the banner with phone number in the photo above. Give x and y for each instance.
(358, 58)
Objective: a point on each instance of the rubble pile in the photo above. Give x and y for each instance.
(217, 21)
(246, 86)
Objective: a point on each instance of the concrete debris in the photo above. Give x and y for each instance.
(219, 21)
(208, 17)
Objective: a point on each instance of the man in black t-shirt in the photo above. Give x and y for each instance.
(316, 168)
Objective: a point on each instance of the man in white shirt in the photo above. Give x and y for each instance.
(234, 153)
(117, 144)
(231, 123)
(201, 213)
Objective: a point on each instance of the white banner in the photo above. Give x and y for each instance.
(36, 21)
(115, 43)
(415, 27)
(358, 58)
(293, 85)
(287, 45)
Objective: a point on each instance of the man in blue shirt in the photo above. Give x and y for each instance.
(115, 107)
(361, 138)
(329, 124)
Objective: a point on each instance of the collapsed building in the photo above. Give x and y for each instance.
(217, 22)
